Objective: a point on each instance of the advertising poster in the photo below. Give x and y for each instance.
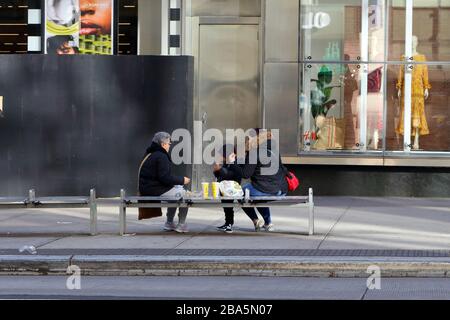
(79, 27)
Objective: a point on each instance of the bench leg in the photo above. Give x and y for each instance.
(93, 212)
(311, 212)
(122, 219)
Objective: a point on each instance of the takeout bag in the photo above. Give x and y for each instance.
(231, 189)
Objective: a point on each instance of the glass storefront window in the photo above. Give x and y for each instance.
(327, 26)
(430, 25)
(373, 71)
(430, 108)
(396, 38)
(330, 106)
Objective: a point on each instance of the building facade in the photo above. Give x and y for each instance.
(359, 89)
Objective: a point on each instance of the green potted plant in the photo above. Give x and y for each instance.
(320, 97)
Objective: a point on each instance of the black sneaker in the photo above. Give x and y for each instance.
(222, 228)
(228, 229)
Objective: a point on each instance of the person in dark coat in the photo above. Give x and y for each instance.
(228, 170)
(262, 184)
(156, 180)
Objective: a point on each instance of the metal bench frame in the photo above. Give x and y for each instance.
(33, 202)
(186, 202)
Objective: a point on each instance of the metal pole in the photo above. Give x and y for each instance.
(31, 197)
(122, 213)
(311, 212)
(93, 211)
(364, 76)
(408, 76)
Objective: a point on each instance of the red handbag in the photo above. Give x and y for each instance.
(292, 181)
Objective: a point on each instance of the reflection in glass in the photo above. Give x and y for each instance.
(331, 29)
(430, 25)
(397, 20)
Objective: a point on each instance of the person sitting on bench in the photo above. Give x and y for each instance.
(228, 170)
(262, 184)
(156, 180)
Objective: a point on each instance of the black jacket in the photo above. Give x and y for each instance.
(155, 178)
(231, 172)
(271, 184)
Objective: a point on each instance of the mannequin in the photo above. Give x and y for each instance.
(375, 93)
(420, 93)
(375, 96)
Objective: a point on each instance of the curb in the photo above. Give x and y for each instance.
(324, 267)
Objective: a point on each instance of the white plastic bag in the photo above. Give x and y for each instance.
(231, 189)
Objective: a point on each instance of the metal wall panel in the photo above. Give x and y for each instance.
(71, 123)
(240, 8)
(281, 30)
(281, 103)
(229, 76)
(228, 80)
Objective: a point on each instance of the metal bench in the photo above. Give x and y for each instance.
(33, 202)
(192, 202)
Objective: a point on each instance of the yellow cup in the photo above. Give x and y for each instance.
(205, 187)
(215, 190)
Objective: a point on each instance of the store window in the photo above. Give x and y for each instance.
(374, 76)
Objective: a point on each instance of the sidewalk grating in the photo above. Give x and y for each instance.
(239, 252)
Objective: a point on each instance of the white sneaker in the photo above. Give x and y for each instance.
(269, 228)
(182, 228)
(169, 226)
(258, 225)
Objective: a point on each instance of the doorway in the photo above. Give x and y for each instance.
(227, 79)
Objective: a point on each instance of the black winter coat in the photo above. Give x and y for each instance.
(230, 172)
(270, 184)
(155, 178)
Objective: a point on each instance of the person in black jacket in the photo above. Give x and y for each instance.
(156, 180)
(262, 184)
(229, 170)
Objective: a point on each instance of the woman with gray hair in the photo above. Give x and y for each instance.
(156, 179)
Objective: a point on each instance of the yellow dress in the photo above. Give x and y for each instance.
(419, 84)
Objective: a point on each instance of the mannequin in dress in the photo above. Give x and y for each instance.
(420, 93)
(375, 94)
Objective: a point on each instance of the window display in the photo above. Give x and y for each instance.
(352, 83)
(419, 93)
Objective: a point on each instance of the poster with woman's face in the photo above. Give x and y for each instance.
(96, 17)
(79, 26)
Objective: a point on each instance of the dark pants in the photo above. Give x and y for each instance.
(265, 212)
(229, 214)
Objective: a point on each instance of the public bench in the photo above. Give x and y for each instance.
(33, 202)
(193, 202)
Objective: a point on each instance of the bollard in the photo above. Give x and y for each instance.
(93, 211)
(122, 213)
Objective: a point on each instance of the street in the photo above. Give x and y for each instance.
(226, 288)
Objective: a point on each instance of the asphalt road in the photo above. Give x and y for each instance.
(221, 288)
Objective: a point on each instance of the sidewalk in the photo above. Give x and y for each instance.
(405, 237)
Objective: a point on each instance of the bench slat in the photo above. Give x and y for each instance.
(12, 200)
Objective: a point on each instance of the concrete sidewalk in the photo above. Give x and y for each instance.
(351, 234)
